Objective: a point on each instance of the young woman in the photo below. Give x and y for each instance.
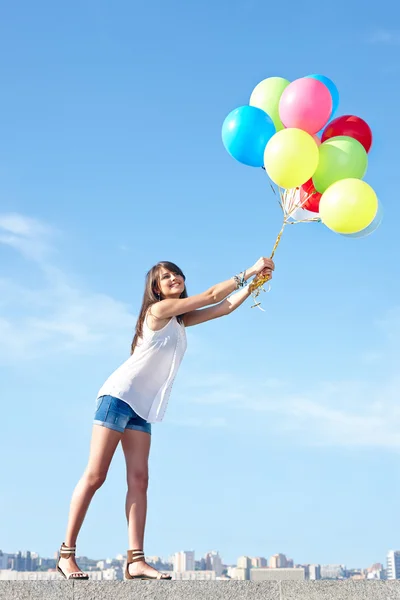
(136, 395)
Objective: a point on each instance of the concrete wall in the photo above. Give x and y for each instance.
(182, 590)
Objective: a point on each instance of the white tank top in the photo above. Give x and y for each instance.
(145, 380)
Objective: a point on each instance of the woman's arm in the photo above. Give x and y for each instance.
(225, 307)
(171, 307)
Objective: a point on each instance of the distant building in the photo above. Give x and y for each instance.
(244, 562)
(356, 574)
(87, 564)
(46, 563)
(393, 564)
(201, 565)
(278, 561)
(239, 573)
(194, 575)
(158, 563)
(154, 560)
(13, 575)
(376, 571)
(333, 571)
(106, 575)
(243, 568)
(280, 574)
(314, 572)
(379, 574)
(213, 562)
(184, 561)
(259, 562)
(22, 561)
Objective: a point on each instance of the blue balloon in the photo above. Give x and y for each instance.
(373, 226)
(245, 133)
(333, 90)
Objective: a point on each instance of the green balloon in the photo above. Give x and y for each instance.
(340, 158)
(266, 95)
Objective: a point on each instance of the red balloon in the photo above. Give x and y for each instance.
(309, 196)
(351, 126)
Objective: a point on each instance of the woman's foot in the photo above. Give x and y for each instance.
(137, 567)
(141, 567)
(66, 564)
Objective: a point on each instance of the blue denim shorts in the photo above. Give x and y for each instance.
(118, 415)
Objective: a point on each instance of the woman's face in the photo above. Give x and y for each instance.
(171, 284)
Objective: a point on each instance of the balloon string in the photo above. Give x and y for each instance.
(287, 200)
(278, 239)
(255, 286)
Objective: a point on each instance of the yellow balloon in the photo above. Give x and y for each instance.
(348, 206)
(291, 157)
(266, 95)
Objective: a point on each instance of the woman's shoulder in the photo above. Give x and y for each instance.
(154, 324)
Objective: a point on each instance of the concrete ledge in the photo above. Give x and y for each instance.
(199, 590)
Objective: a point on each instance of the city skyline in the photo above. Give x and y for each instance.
(185, 560)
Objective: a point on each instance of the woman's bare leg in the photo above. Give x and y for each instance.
(136, 447)
(102, 448)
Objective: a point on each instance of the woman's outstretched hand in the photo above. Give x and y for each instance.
(263, 266)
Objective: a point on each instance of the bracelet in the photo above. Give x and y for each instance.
(240, 280)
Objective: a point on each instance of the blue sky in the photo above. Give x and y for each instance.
(282, 433)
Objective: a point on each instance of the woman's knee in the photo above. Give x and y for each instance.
(138, 480)
(95, 479)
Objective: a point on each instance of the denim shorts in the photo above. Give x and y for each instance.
(116, 414)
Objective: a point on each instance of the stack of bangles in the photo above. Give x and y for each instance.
(240, 280)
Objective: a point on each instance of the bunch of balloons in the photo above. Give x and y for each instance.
(290, 130)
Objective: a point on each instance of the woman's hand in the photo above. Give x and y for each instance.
(265, 273)
(263, 264)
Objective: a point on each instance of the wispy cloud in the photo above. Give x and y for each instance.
(58, 314)
(29, 236)
(354, 413)
(389, 37)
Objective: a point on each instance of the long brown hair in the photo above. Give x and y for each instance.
(150, 295)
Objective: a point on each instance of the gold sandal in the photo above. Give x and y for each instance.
(133, 556)
(67, 552)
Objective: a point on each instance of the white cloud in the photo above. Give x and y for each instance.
(362, 412)
(23, 226)
(58, 315)
(29, 236)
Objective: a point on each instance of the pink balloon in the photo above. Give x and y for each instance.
(306, 103)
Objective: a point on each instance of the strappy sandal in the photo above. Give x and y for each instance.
(67, 552)
(136, 556)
